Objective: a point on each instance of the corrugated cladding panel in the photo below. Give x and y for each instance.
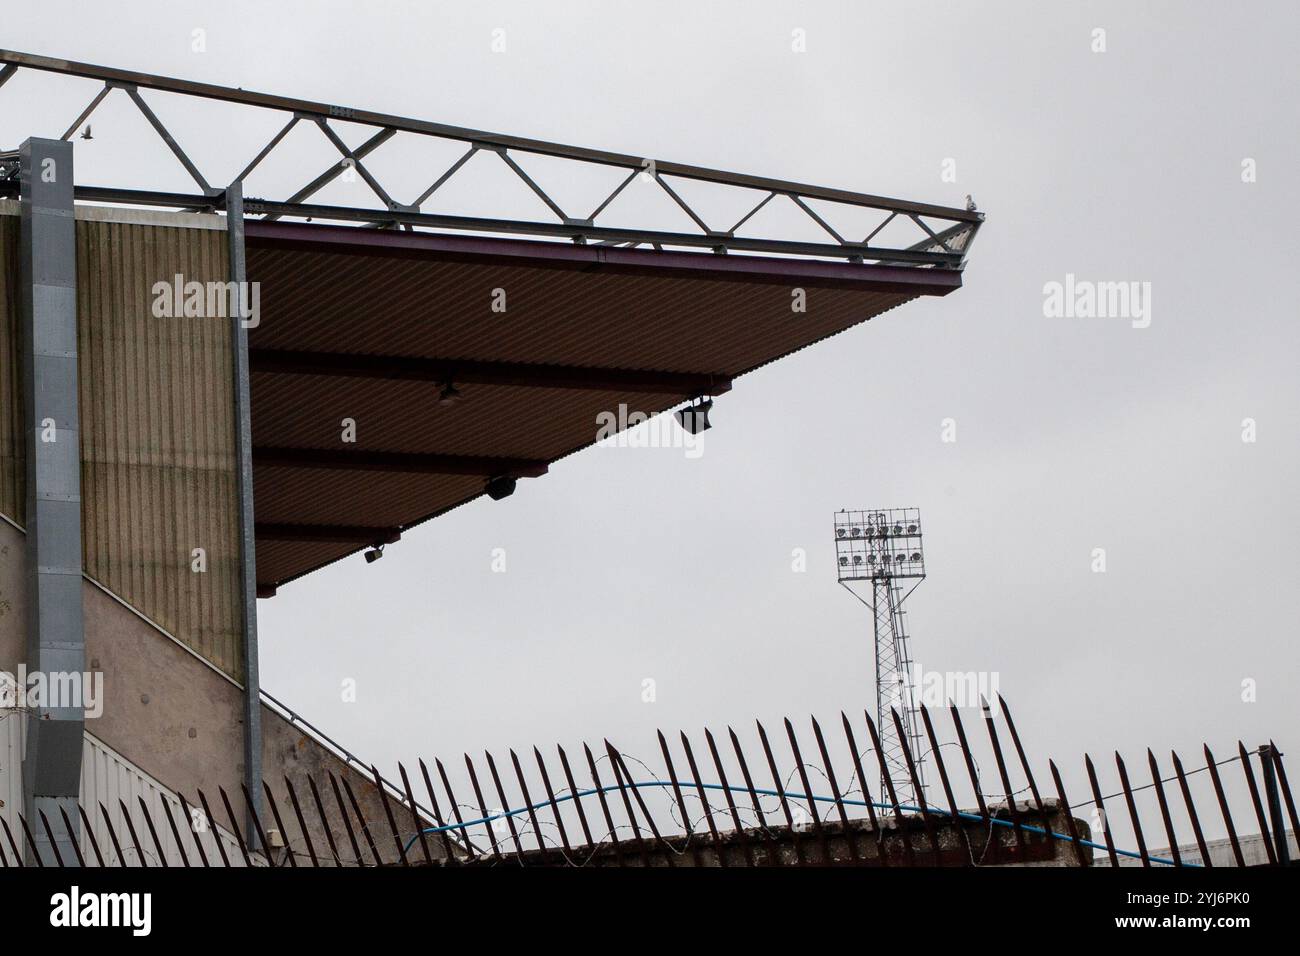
(11, 774)
(157, 433)
(110, 780)
(157, 428)
(13, 453)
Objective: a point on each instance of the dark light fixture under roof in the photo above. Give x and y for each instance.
(695, 418)
(503, 486)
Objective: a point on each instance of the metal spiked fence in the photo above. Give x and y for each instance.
(809, 807)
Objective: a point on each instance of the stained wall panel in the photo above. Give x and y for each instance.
(157, 423)
(157, 412)
(13, 453)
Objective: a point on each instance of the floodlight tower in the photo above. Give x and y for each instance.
(883, 548)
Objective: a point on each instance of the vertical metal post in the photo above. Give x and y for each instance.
(56, 645)
(247, 549)
(1274, 805)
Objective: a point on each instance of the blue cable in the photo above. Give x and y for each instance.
(776, 793)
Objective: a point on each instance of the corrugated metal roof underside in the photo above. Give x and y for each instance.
(371, 305)
(346, 302)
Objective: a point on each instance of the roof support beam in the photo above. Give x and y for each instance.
(327, 533)
(398, 462)
(486, 373)
(252, 701)
(603, 237)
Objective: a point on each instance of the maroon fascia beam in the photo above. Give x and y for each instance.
(665, 263)
(397, 462)
(464, 372)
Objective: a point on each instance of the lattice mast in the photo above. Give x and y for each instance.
(882, 549)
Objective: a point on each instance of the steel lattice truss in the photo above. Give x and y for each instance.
(894, 695)
(942, 242)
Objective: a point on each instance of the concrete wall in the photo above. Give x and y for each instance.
(180, 720)
(779, 845)
(1252, 846)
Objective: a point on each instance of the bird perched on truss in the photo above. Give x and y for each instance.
(970, 203)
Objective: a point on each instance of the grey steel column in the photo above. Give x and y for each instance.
(247, 548)
(55, 633)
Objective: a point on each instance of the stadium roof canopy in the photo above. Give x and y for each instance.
(370, 324)
(369, 312)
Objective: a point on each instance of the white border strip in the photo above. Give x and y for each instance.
(138, 217)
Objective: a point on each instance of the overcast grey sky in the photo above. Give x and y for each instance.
(1072, 433)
